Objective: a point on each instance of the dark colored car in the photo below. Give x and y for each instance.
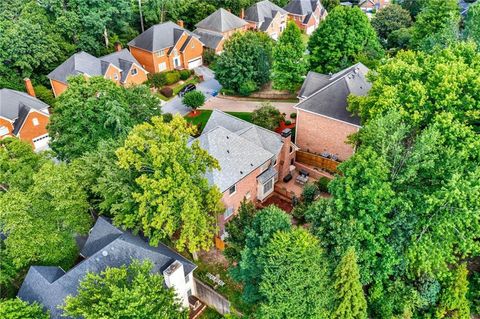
(186, 89)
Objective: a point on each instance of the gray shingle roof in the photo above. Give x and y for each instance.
(123, 60)
(240, 147)
(327, 94)
(302, 7)
(159, 37)
(221, 21)
(262, 13)
(210, 39)
(108, 247)
(79, 63)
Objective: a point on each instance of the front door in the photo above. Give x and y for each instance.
(176, 62)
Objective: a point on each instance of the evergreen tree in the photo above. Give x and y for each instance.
(453, 302)
(288, 59)
(350, 300)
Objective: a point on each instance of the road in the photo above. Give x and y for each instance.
(209, 85)
(239, 105)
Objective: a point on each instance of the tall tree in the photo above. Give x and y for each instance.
(249, 270)
(245, 63)
(174, 198)
(350, 300)
(289, 65)
(391, 18)
(454, 302)
(18, 309)
(236, 230)
(94, 109)
(330, 4)
(294, 281)
(436, 25)
(124, 292)
(472, 23)
(413, 6)
(344, 38)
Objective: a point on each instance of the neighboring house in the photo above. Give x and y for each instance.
(307, 14)
(267, 17)
(24, 116)
(323, 122)
(215, 29)
(464, 6)
(167, 46)
(252, 160)
(106, 246)
(371, 5)
(120, 67)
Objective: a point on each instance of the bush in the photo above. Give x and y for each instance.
(267, 116)
(157, 80)
(166, 91)
(194, 99)
(209, 56)
(185, 74)
(247, 88)
(44, 94)
(322, 184)
(287, 122)
(172, 77)
(227, 91)
(299, 212)
(167, 117)
(293, 115)
(309, 193)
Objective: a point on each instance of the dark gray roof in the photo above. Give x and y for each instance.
(221, 21)
(268, 174)
(159, 37)
(210, 39)
(464, 6)
(22, 116)
(123, 60)
(302, 7)
(327, 94)
(262, 13)
(79, 63)
(108, 247)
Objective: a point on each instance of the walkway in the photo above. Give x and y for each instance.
(231, 105)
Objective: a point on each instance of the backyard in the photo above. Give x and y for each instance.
(203, 115)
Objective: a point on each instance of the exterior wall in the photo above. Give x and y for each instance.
(29, 131)
(317, 134)
(113, 72)
(58, 87)
(378, 4)
(298, 20)
(275, 26)
(148, 60)
(174, 277)
(136, 79)
(193, 50)
(285, 157)
(8, 125)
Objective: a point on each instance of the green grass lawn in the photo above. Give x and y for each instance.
(202, 119)
(210, 313)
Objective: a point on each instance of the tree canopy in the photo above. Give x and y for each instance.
(18, 309)
(391, 18)
(267, 116)
(127, 292)
(472, 23)
(344, 38)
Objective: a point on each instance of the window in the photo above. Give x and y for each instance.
(232, 190)
(267, 187)
(160, 53)
(115, 76)
(35, 121)
(228, 213)
(162, 66)
(3, 130)
(187, 279)
(291, 149)
(134, 72)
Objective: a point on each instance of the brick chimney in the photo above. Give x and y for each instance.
(180, 23)
(242, 13)
(29, 87)
(286, 154)
(118, 46)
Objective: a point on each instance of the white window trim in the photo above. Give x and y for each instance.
(234, 192)
(160, 53)
(228, 212)
(133, 74)
(160, 69)
(35, 122)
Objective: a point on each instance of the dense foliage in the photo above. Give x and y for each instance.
(472, 23)
(390, 19)
(194, 99)
(236, 230)
(18, 309)
(267, 116)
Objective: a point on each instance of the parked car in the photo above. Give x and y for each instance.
(186, 89)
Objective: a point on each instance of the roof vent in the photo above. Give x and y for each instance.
(241, 172)
(251, 164)
(104, 253)
(228, 151)
(228, 137)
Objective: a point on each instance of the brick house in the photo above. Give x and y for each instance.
(252, 160)
(120, 67)
(307, 14)
(323, 122)
(24, 116)
(267, 17)
(215, 29)
(167, 46)
(371, 5)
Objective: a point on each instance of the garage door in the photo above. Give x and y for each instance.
(41, 143)
(195, 63)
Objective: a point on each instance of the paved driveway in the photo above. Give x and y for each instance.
(207, 87)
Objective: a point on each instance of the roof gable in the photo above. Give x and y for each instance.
(221, 21)
(79, 63)
(262, 11)
(12, 102)
(302, 7)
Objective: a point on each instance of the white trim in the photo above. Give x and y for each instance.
(31, 111)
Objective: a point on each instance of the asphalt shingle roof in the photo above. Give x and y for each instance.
(159, 37)
(302, 7)
(221, 21)
(263, 13)
(210, 39)
(108, 247)
(327, 94)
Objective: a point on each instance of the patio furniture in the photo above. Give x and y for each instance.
(302, 177)
(287, 178)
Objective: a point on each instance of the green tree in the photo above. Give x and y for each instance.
(413, 6)
(350, 301)
(454, 302)
(344, 38)
(391, 18)
(194, 100)
(294, 280)
(174, 199)
(289, 65)
(265, 224)
(330, 4)
(18, 309)
(95, 109)
(246, 59)
(436, 25)
(236, 230)
(472, 23)
(125, 292)
(267, 116)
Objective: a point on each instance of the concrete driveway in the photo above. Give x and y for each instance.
(207, 87)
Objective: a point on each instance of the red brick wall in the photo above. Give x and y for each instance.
(148, 60)
(111, 72)
(136, 79)
(193, 50)
(7, 124)
(316, 134)
(58, 87)
(29, 131)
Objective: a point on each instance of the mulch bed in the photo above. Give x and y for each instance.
(284, 126)
(279, 202)
(193, 114)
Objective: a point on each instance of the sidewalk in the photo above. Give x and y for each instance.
(229, 105)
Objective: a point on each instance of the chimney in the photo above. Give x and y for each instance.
(29, 87)
(180, 23)
(242, 13)
(118, 46)
(286, 132)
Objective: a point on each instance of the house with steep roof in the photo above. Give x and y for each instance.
(372, 5)
(215, 29)
(252, 159)
(167, 46)
(24, 116)
(307, 14)
(120, 67)
(106, 246)
(323, 122)
(267, 17)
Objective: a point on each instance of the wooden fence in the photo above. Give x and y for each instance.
(315, 160)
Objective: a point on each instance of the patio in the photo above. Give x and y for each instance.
(292, 187)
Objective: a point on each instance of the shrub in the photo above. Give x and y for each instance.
(227, 91)
(287, 122)
(167, 117)
(309, 193)
(209, 56)
(194, 99)
(172, 77)
(185, 74)
(157, 79)
(293, 115)
(299, 212)
(166, 91)
(44, 94)
(267, 116)
(247, 88)
(322, 184)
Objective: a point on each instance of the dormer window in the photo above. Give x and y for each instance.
(232, 190)
(35, 121)
(134, 72)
